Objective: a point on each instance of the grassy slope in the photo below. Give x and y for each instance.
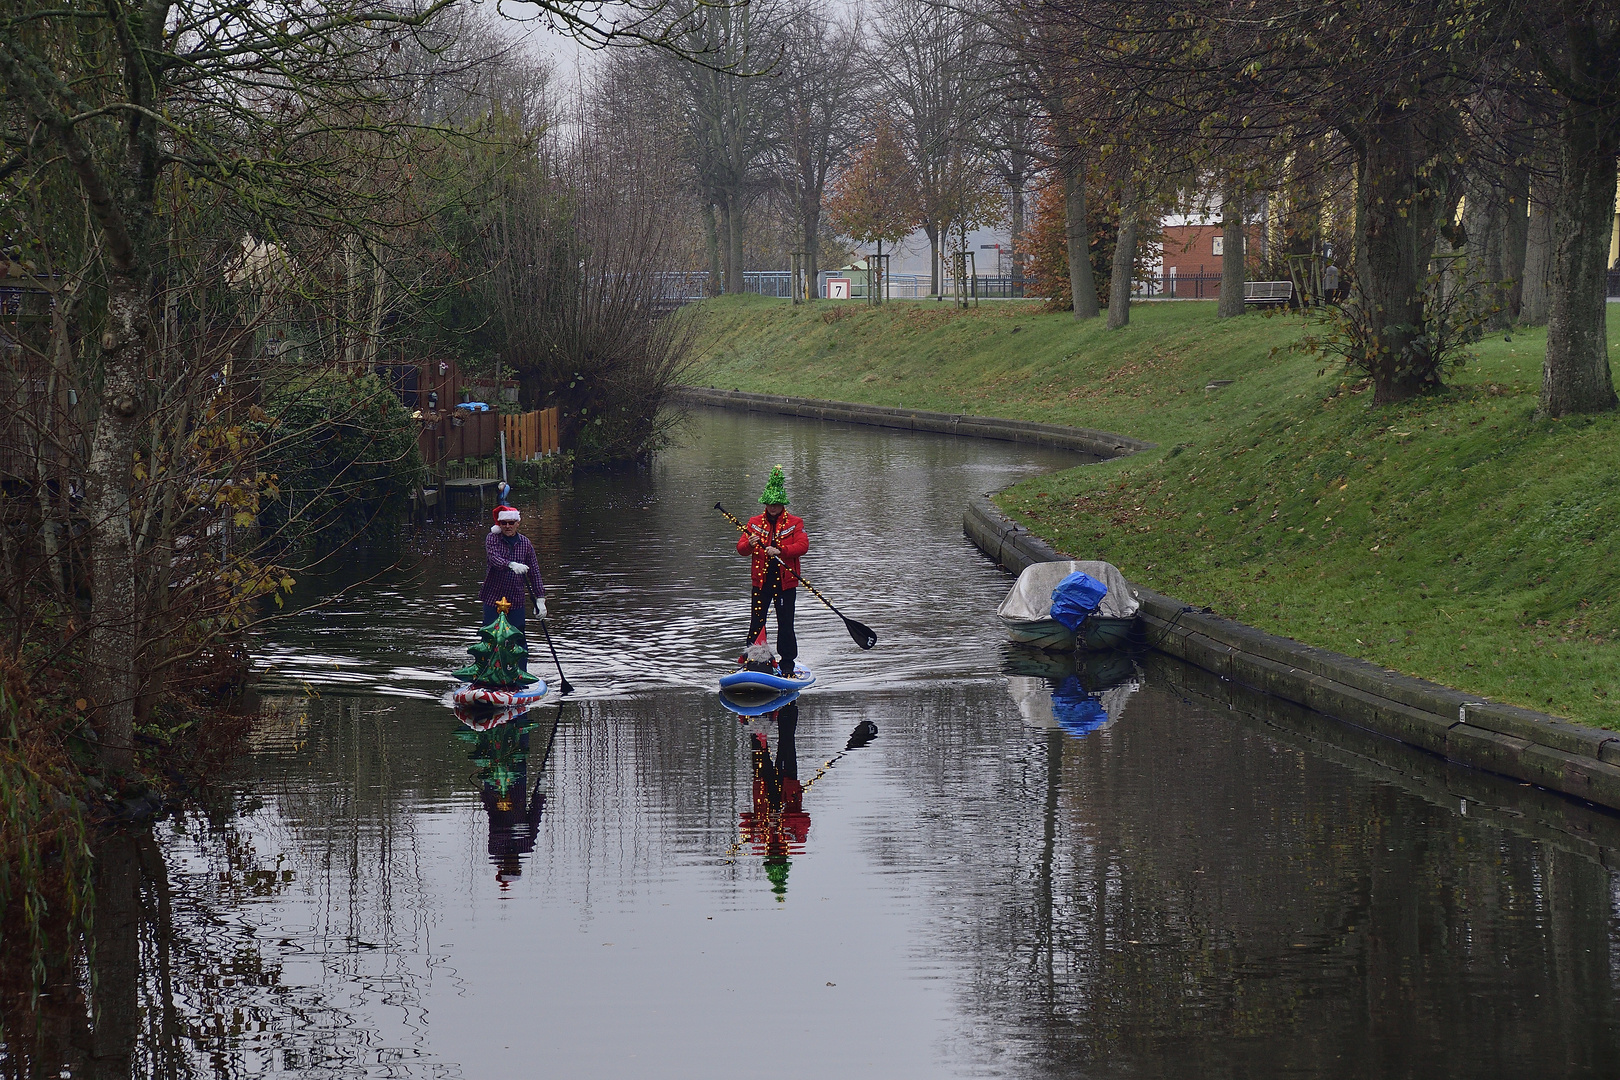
(1457, 537)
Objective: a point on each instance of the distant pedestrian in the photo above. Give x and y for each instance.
(1330, 284)
(513, 573)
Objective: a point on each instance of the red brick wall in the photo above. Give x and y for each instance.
(1189, 248)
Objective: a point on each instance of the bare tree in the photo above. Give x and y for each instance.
(580, 236)
(819, 75)
(1010, 132)
(932, 67)
(730, 109)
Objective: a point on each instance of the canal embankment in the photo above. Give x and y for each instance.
(1527, 745)
(1460, 725)
(1456, 538)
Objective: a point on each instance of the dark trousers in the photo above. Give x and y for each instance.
(514, 619)
(787, 643)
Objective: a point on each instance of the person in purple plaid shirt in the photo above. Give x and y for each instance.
(513, 573)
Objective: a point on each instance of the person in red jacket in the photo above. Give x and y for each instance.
(775, 540)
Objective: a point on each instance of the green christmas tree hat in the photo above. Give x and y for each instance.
(773, 489)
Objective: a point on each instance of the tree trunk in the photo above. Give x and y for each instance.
(734, 271)
(1119, 286)
(1515, 240)
(812, 249)
(935, 278)
(351, 302)
(1485, 226)
(1234, 259)
(376, 306)
(724, 205)
(711, 239)
(112, 645)
(1534, 299)
(1077, 233)
(1016, 256)
(1394, 239)
(1575, 377)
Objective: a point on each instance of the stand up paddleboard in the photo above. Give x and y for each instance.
(764, 680)
(468, 694)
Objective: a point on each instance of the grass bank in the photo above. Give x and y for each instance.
(1457, 537)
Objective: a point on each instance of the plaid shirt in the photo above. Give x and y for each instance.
(499, 581)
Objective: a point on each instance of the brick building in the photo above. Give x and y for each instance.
(1193, 244)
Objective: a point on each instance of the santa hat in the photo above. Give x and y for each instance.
(504, 513)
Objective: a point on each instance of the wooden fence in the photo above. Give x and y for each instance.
(531, 434)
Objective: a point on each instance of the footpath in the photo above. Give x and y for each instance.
(1524, 744)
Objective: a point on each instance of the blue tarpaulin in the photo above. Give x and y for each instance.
(1075, 597)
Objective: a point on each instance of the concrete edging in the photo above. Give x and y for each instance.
(1519, 743)
(1104, 444)
(1523, 744)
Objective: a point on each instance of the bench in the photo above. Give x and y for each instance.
(1268, 292)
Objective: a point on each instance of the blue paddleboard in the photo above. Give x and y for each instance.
(764, 680)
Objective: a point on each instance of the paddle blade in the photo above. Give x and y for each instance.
(864, 636)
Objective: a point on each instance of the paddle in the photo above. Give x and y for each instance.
(566, 689)
(864, 635)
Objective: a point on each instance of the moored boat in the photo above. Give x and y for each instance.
(1027, 612)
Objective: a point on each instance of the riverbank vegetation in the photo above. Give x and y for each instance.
(223, 233)
(1458, 536)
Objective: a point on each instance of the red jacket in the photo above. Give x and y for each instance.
(787, 534)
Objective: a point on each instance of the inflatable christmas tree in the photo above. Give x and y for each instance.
(499, 655)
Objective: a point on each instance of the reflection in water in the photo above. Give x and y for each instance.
(1078, 693)
(1201, 885)
(500, 749)
(776, 826)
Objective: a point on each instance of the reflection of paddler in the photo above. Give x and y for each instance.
(502, 755)
(513, 826)
(777, 823)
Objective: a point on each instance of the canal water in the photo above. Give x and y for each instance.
(1029, 871)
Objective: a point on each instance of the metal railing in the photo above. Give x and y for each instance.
(692, 285)
(1178, 287)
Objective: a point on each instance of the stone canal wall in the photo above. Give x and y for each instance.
(1103, 444)
(1520, 743)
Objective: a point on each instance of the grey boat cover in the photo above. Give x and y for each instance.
(1031, 596)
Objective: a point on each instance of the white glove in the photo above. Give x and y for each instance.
(517, 568)
(540, 606)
